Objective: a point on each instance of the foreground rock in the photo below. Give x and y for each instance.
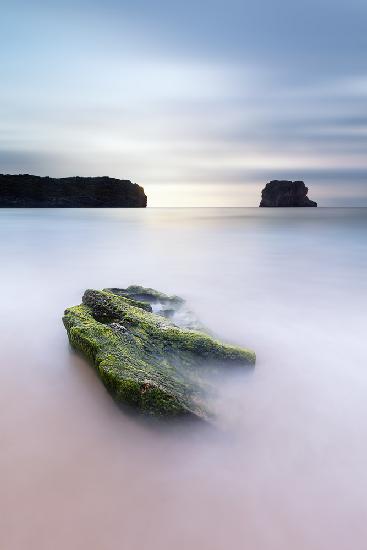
(25, 191)
(143, 358)
(285, 193)
(171, 307)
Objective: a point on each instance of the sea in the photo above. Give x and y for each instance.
(282, 465)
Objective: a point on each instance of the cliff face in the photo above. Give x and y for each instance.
(26, 191)
(285, 193)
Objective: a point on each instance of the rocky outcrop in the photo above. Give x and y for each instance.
(285, 193)
(171, 307)
(143, 358)
(26, 191)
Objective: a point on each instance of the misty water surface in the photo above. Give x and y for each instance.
(284, 465)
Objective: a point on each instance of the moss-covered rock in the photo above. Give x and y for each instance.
(143, 358)
(150, 295)
(171, 307)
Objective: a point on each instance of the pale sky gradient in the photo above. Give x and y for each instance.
(199, 102)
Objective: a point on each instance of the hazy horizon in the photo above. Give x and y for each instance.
(199, 104)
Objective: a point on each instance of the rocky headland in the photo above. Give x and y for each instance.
(285, 193)
(27, 191)
(147, 350)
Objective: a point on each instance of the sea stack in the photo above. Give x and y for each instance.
(285, 193)
(26, 191)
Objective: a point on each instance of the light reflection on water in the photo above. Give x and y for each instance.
(284, 466)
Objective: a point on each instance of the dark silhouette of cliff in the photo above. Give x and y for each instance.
(26, 191)
(285, 193)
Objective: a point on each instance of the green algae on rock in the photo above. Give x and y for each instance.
(150, 295)
(143, 358)
(171, 307)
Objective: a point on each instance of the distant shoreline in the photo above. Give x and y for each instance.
(28, 191)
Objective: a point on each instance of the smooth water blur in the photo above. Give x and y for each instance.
(284, 466)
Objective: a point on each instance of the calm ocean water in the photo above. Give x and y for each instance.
(283, 467)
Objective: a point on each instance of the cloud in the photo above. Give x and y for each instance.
(186, 94)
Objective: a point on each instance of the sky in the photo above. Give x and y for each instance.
(200, 102)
